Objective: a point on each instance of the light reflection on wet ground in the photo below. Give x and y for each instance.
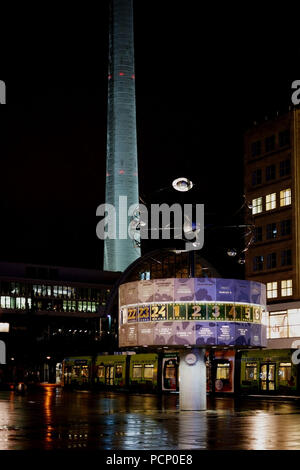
(56, 419)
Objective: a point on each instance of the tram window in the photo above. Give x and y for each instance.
(137, 371)
(251, 371)
(148, 371)
(223, 371)
(76, 371)
(85, 371)
(119, 372)
(285, 372)
(170, 371)
(101, 372)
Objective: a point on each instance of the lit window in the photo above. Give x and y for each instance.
(278, 325)
(251, 371)
(148, 371)
(137, 371)
(272, 290)
(287, 288)
(285, 372)
(257, 206)
(294, 323)
(223, 371)
(271, 202)
(285, 197)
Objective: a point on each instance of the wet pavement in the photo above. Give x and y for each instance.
(53, 419)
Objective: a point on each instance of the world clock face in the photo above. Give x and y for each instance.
(191, 359)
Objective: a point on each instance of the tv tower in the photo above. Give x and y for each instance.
(121, 157)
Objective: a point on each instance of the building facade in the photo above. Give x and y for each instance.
(121, 162)
(272, 179)
(49, 312)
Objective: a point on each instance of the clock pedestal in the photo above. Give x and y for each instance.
(192, 386)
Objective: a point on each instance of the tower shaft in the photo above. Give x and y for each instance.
(121, 159)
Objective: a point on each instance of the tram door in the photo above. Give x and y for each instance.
(109, 375)
(267, 377)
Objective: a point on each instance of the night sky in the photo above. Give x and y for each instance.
(201, 80)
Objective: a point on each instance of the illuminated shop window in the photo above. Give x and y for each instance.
(272, 290)
(285, 197)
(287, 288)
(137, 371)
(251, 371)
(285, 372)
(278, 325)
(223, 372)
(294, 323)
(148, 371)
(271, 201)
(257, 206)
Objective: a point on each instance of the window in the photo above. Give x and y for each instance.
(285, 372)
(148, 371)
(223, 371)
(294, 323)
(258, 263)
(270, 143)
(271, 231)
(284, 138)
(271, 261)
(287, 288)
(286, 258)
(286, 227)
(119, 371)
(278, 325)
(256, 148)
(285, 197)
(270, 173)
(285, 168)
(145, 276)
(258, 234)
(137, 371)
(101, 372)
(271, 202)
(251, 371)
(256, 177)
(272, 290)
(257, 206)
